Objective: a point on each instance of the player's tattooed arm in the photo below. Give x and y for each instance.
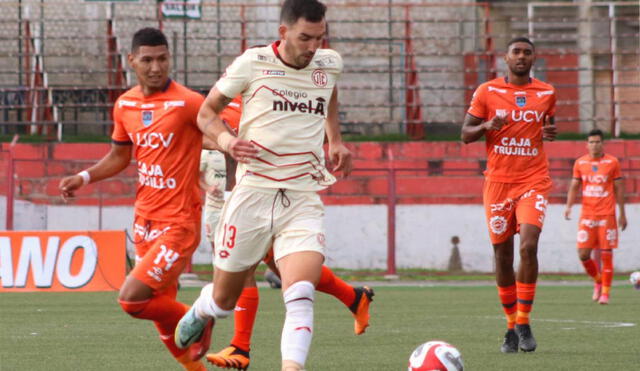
(212, 126)
(339, 154)
(474, 128)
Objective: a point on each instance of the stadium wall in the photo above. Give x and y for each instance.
(438, 193)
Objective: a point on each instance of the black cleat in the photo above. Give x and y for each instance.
(526, 340)
(510, 343)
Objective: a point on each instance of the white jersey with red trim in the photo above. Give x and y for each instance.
(283, 114)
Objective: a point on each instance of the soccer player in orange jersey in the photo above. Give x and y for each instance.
(155, 122)
(237, 354)
(602, 188)
(515, 113)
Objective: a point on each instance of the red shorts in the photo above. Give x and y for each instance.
(507, 205)
(597, 232)
(163, 250)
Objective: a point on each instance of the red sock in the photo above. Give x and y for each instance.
(592, 269)
(508, 299)
(244, 317)
(526, 292)
(333, 285)
(607, 270)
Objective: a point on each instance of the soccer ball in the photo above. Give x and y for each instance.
(635, 280)
(435, 356)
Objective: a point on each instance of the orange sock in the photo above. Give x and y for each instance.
(607, 270)
(592, 269)
(508, 299)
(333, 285)
(526, 292)
(244, 317)
(164, 311)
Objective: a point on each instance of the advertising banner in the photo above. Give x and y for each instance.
(62, 261)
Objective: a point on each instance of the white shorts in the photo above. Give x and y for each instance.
(253, 219)
(211, 218)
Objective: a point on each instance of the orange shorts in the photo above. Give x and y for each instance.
(507, 205)
(163, 250)
(597, 232)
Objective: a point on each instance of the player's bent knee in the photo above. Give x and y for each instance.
(133, 308)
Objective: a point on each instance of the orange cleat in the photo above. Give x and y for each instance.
(604, 299)
(360, 308)
(189, 365)
(198, 349)
(230, 357)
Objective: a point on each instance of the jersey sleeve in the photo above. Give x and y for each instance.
(195, 101)
(119, 135)
(576, 170)
(616, 172)
(478, 107)
(237, 76)
(552, 105)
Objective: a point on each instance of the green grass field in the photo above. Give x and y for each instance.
(88, 331)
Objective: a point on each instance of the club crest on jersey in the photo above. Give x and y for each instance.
(147, 118)
(594, 168)
(521, 101)
(319, 78)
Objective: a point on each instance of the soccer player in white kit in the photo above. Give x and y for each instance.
(290, 98)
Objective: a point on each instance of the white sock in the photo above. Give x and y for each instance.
(206, 307)
(298, 324)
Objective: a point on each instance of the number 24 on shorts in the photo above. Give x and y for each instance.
(229, 236)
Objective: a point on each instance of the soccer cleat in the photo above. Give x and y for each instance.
(604, 299)
(360, 308)
(597, 289)
(273, 279)
(526, 341)
(201, 346)
(510, 343)
(190, 329)
(230, 357)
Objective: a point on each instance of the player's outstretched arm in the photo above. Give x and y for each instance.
(212, 127)
(571, 197)
(339, 154)
(474, 128)
(618, 188)
(114, 162)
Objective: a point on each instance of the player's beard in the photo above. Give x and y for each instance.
(520, 73)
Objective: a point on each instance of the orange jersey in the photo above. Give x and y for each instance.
(232, 113)
(597, 176)
(166, 141)
(515, 153)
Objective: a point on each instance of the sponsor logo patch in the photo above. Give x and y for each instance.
(582, 236)
(272, 73)
(498, 224)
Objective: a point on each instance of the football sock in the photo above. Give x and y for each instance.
(298, 324)
(526, 292)
(607, 270)
(508, 298)
(331, 284)
(165, 312)
(592, 269)
(206, 307)
(244, 317)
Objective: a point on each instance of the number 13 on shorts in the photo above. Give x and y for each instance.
(229, 236)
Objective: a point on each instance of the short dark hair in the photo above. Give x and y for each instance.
(520, 39)
(148, 36)
(310, 10)
(595, 132)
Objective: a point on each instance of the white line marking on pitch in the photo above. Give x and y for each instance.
(605, 324)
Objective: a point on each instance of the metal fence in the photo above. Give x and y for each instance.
(410, 67)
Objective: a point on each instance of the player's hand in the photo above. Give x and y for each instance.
(341, 157)
(567, 213)
(242, 150)
(622, 222)
(69, 185)
(496, 123)
(549, 130)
